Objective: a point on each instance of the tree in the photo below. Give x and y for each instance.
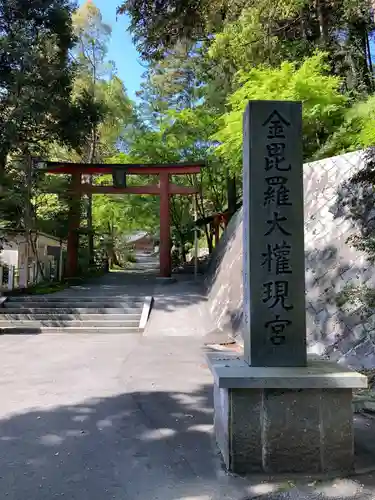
(90, 51)
(118, 116)
(323, 104)
(172, 83)
(159, 26)
(36, 106)
(96, 77)
(179, 127)
(356, 132)
(35, 39)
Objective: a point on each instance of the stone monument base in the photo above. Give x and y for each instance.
(284, 420)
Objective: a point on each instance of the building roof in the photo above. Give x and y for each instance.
(137, 236)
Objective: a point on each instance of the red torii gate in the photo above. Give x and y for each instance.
(164, 189)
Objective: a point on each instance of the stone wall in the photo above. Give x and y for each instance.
(335, 211)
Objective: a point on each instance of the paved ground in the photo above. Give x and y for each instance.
(125, 417)
(180, 310)
(114, 417)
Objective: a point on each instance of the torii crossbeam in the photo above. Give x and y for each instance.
(164, 189)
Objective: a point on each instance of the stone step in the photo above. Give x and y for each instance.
(16, 330)
(73, 298)
(73, 305)
(147, 262)
(70, 324)
(67, 317)
(70, 310)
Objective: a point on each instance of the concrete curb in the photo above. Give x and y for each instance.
(149, 301)
(3, 300)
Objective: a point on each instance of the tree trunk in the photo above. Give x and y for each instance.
(30, 224)
(92, 157)
(359, 56)
(89, 227)
(182, 249)
(364, 58)
(3, 159)
(369, 54)
(33, 242)
(303, 25)
(323, 23)
(209, 239)
(3, 162)
(231, 195)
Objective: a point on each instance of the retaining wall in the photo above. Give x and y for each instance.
(335, 211)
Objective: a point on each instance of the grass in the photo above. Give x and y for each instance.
(39, 289)
(47, 288)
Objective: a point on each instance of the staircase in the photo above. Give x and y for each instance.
(146, 263)
(74, 314)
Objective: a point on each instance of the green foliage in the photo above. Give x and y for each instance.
(51, 214)
(83, 114)
(37, 103)
(116, 216)
(357, 131)
(47, 288)
(360, 296)
(158, 26)
(170, 84)
(119, 114)
(96, 80)
(252, 39)
(93, 38)
(323, 105)
(35, 40)
(119, 215)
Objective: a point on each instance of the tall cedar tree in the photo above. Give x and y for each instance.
(36, 74)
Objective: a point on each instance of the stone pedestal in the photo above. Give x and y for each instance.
(284, 420)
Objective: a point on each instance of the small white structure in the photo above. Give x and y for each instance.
(22, 255)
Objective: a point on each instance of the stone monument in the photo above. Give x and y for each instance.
(275, 410)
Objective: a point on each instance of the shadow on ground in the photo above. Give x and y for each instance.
(181, 294)
(141, 445)
(180, 291)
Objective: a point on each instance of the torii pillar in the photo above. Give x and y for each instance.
(165, 227)
(74, 219)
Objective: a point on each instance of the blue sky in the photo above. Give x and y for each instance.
(121, 49)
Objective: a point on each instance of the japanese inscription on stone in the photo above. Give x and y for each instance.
(273, 237)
